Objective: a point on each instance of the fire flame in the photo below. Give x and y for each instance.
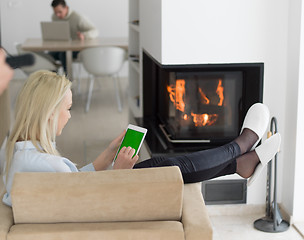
(205, 100)
(220, 92)
(204, 119)
(176, 94)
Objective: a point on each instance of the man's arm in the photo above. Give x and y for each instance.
(87, 28)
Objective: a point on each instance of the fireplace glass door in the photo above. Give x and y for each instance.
(200, 106)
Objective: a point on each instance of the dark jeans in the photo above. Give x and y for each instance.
(62, 58)
(201, 165)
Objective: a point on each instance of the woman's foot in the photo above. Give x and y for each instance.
(251, 164)
(246, 140)
(265, 152)
(246, 164)
(254, 127)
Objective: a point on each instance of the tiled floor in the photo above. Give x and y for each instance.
(234, 222)
(87, 134)
(241, 227)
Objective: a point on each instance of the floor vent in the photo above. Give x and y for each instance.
(224, 191)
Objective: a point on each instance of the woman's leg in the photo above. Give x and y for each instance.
(204, 165)
(224, 160)
(207, 164)
(199, 166)
(252, 163)
(244, 165)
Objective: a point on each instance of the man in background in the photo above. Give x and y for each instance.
(80, 27)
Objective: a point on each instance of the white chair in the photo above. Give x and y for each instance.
(43, 61)
(103, 62)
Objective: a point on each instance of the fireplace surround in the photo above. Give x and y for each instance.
(193, 107)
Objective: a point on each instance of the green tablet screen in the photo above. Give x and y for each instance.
(132, 139)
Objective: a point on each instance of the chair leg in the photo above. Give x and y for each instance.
(79, 78)
(91, 85)
(117, 88)
(76, 74)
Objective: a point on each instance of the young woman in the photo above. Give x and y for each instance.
(43, 109)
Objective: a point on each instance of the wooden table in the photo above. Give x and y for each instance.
(38, 45)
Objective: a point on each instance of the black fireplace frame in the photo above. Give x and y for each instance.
(152, 70)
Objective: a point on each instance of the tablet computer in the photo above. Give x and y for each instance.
(133, 138)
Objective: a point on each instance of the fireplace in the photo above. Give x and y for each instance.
(200, 106)
(193, 107)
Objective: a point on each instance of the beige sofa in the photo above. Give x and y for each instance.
(115, 204)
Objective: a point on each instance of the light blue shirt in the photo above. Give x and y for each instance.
(27, 158)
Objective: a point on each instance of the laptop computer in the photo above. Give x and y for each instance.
(55, 31)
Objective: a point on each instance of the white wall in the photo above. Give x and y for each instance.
(295, 116)
(150, 27)
(237, 31)
(20, 19)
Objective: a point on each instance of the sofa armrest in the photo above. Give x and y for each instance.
(195, 218)
(6, 214)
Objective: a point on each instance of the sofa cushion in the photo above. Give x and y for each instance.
(114, 195)
(167, 230)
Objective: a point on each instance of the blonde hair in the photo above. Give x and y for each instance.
(36, 113)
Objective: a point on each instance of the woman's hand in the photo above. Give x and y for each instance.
(114, 145)
(104, 160)
(125, 159)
